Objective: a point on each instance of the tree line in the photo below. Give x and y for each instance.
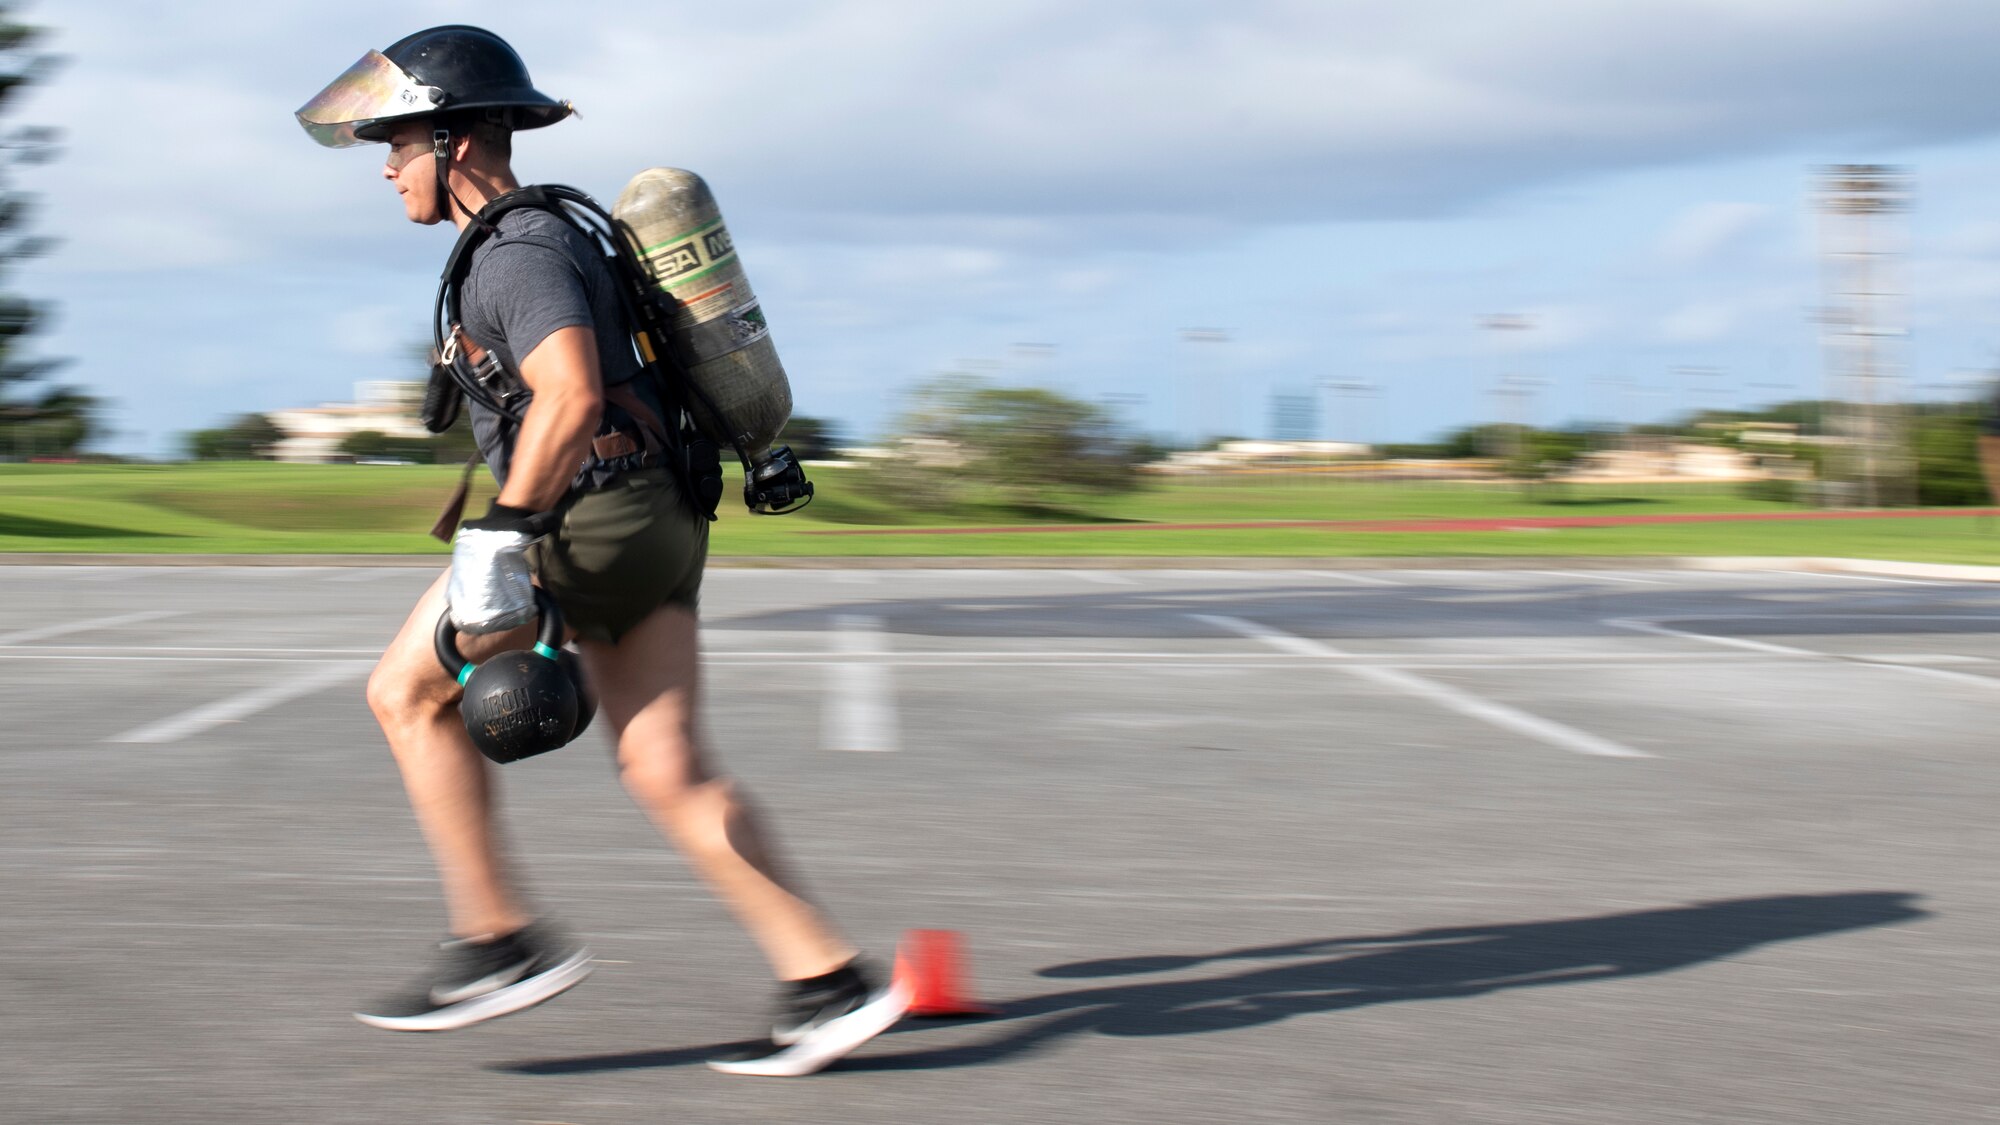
(38, 417)
(252, 437)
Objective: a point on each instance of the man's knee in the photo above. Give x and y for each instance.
(711, 820)
(660, 780)
(398, 694)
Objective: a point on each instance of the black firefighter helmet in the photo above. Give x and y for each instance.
(453, 70)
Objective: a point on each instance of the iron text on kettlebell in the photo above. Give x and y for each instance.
(524, 702)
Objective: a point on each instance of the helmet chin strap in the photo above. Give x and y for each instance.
(441, 158)
(441, 154)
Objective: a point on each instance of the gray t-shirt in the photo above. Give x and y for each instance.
(535, 276)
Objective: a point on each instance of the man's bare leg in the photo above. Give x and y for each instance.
(499, 962)
(648, 687)
(450, 786)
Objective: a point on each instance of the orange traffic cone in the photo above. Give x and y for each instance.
(931, 964)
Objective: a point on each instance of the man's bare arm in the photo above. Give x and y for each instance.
(561, 420)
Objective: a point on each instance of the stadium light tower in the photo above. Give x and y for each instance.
(1859, 234)
(1204, 420)
(1350, 421)
(1511, 390)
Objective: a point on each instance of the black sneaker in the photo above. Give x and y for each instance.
(820, 1021)
(477, 981)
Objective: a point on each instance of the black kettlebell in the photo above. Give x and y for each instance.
(521, 703)
(586, 699)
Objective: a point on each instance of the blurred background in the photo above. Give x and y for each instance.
(1739, 249)
(1193, 303)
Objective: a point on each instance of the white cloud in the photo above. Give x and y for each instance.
(1736, 313)
(1978, 239)
(1706, 231)
(1699, 322)
(1022, 111)
(1953, 290)
(1562, 327)
(1532, 331)
(1088, 281)
(375, 331)
(1278, 111)
(911, 179)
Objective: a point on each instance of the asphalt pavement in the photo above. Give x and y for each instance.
(1406, 845)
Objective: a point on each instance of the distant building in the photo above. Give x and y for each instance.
(1231, 455)
(314, 433)
(1294, 416)
(1681, 461)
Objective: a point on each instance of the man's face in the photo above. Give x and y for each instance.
(410, 167)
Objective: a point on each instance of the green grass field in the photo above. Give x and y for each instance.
(255, 508)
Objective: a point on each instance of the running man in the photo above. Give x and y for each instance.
(590, 503)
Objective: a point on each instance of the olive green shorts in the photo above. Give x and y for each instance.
(621, 552)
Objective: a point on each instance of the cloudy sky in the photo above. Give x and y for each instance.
(1053, 193)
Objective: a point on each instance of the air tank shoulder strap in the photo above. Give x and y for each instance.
(487, 219)
(446, 310)
(660, 439)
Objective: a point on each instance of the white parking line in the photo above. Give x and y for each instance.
(860, 706)
(1243, 663)
(1105, 577)
(176, 650)
(1450, 698)
(1639, 625)
(1344, 576)
(1246, 663)
(123, 573)
(32, 656)
(1276, 638)
(1593, 577)
(854, 577)
(1922, 658)
(375, 573)
(1500, 714)
(1860, 577)
(1536, 595)
(1212, 664)
(314, 677)
(1652, 625)
(67, 628)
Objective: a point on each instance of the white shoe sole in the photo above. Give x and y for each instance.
(499, 1002)
(829, 1042)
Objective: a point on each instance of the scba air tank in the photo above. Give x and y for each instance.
(718, 332)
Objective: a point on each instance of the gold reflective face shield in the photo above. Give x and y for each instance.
(373, 90)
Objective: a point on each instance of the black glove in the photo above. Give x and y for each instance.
(506, 517)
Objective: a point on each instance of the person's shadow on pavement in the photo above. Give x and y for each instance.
(1333, 974)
